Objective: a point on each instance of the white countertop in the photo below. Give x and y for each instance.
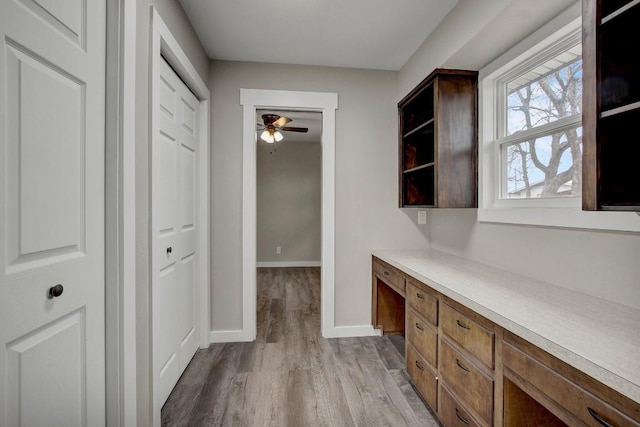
(598, 337)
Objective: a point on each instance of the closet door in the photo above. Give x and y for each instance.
(52, 178)
(174, 228)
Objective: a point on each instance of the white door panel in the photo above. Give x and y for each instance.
(52, 212)
(174, 154)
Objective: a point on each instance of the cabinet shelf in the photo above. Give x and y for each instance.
(417, 168)
(419, 128)
(438, 141)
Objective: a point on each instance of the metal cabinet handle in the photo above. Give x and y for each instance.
(419, 296)
(419, 366)
(386, 273)
(55, 291)
(461, 418)
(462, 325)
(419, 327)
(595, 416)
(169, 250)
(461, 366)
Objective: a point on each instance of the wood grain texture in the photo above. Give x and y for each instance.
(291, 375)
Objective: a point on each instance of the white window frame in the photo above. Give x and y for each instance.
(545, 43)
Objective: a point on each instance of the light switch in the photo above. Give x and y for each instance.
(422, 217)
(278, 250)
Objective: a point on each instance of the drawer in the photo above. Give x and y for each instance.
(469, 334)
(425, 304)
(422, 337)
(471, 385)
(580, 403)
(389, 275)
(451, 412)
(425, 381)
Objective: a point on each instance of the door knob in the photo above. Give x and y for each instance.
(169, 250)
(55, 291)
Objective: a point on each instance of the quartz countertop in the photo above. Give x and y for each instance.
(596, 336)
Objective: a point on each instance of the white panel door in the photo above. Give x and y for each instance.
(52, 359)
(174, 228)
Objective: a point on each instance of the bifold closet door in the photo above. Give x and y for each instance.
(174, 228)
(52, 179)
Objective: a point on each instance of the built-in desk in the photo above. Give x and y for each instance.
(491, 347)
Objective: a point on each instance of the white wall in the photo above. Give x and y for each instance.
(604, 264)
(367, 215)
(173, 15)
(288, 205)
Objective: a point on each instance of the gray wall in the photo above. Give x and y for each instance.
(288, 205)
(173, 15)
(604, 264)
(366, 213)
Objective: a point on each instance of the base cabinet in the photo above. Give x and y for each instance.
(472, 372)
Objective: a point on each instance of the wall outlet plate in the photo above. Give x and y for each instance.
(422, 217)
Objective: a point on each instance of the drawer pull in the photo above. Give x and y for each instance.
(419, 327)
(419, 366)
(419, 296)
(595, 416)
(462, 325)
(461, 366)
(386, 273)
(461, 418)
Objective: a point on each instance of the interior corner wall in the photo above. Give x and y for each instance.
(601, 263)
(366, 189)
(173, 15)
(289, 201)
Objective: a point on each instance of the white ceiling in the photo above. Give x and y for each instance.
(373, 34)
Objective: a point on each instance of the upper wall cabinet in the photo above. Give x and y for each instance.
(611, 105)
(439, 141)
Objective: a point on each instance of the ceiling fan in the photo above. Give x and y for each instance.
(273, 125)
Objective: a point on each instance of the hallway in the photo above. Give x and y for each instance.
(291, 376)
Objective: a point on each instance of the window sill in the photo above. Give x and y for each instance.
(562, 217)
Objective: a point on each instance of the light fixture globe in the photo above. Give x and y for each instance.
(268, 136)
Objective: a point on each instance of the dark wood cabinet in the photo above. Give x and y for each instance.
(438, 141)
(611, 105)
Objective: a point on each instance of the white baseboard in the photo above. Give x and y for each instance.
(352, 331)
(289, 264)
(229, 336)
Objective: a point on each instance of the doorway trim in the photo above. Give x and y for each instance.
(163, 44)
(326, 103)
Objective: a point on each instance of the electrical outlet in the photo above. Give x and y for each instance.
(278, 250)
(422, 217)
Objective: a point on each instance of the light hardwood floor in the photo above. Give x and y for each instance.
(291, 376)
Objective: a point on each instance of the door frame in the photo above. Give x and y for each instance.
(120, 213)
(163, 44)
(326, 103)
(120, 232)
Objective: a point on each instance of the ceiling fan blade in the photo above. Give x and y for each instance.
(282, 120)
(294, 129)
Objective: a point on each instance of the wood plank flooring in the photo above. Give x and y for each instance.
(291, 376)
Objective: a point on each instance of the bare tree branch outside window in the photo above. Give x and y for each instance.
(548, 165)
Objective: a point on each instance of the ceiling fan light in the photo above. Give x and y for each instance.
(266, 136)
(278, 136)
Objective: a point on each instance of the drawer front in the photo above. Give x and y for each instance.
(580, 403)
(473, 387)
(452, 413)
(421, 336)
(468, 334)
(426, 305)
(422, 377)
(389, 276)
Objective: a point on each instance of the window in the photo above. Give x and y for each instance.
(540, 133)
(530, 111)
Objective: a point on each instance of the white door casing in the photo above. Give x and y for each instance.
(52, 363)
(175, 230)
